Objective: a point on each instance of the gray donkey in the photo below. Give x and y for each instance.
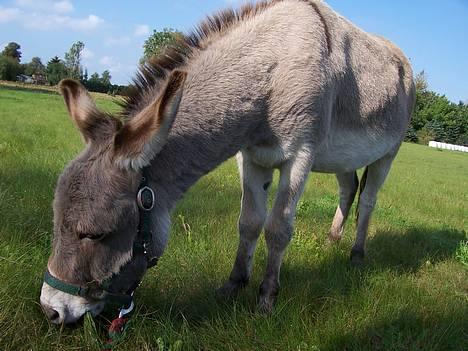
(284, 84)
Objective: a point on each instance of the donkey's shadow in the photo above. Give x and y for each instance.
(408, 251)
(402, 252)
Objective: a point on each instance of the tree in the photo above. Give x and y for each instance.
(56, 70)
(73, 60)
(94, 77)
(54, 59)
(34, 67)
(12, 50)
(420, 81)
(84, 77)
(100, 84)
(437, 118)
(94, 83)
(106, 77)
(9, 68)
(158, 41)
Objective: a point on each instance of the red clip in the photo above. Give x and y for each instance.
(116, 328)
(118, 325)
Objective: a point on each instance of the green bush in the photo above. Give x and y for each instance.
(9, 68)
(411, 135)
(425, 135)
(436, 118)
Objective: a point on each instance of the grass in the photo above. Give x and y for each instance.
(411, 295)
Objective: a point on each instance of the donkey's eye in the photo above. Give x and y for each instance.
(91, 236)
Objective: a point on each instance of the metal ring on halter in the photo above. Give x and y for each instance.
(140, 199)
(126, 310)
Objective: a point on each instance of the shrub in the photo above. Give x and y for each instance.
(9, 68)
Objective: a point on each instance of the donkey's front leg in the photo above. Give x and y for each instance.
(255, 182)
(279, 225)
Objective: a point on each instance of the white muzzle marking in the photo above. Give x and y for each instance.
(69, 308)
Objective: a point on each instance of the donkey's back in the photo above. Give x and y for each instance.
(346, 93)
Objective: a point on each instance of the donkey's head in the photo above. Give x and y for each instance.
(96, 215)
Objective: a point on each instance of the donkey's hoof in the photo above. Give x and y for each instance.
(265, 304)
(333, 239)
(357, 257)
(229, 289)
(267, 298)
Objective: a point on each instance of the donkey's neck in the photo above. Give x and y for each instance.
(184, 159)
(197, 144)
(221, 112)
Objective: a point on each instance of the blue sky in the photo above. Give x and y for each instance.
(433, 34)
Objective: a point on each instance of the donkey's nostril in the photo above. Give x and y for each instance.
(52, 314)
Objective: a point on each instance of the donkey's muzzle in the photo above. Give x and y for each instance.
(51, 314)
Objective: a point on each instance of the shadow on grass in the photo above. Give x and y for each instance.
(409, 330)
(400, 252)
(408, 251)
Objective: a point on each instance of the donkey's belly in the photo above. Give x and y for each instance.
(346, 152)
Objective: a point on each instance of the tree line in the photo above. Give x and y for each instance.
(56, 69)
(434, 117)
(437, 118)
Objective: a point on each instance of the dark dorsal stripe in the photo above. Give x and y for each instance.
(325, 26)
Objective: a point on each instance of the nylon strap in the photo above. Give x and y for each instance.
(145, 233)
(65, 287)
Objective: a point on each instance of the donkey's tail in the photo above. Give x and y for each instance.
(362, 185)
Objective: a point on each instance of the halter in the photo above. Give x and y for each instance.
(142, 244)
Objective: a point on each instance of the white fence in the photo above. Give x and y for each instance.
(445, 146)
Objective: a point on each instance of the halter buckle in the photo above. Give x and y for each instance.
(126, 310)
(152, 261)
(145, 199)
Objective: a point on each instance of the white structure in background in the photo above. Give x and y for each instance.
(445, 146)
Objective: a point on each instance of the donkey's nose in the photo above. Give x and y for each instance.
(52, 314)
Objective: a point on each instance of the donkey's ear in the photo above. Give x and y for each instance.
(139, 140)
(81, 107)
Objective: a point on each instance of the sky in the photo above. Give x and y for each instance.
(433, 34)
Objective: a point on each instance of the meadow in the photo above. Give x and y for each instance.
(412, 293)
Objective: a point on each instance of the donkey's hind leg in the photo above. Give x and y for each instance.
(372, 180)
(255, 182)
(279, 225)
(348, 183)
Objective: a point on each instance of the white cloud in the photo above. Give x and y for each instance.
(87, 54)
(117, 41)
(106, 60)
(8, 14)
(63, 6)
(46, 6)
(89, 23)
(47, 22)
(141, 30)
(27, 3)
(48, 15)
(111, 64)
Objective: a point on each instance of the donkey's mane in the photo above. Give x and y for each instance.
(154, 71)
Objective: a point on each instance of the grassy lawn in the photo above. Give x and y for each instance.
(411, 295)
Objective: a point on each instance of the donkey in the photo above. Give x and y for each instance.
(284, 84)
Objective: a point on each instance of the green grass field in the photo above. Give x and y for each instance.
(411, 294)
